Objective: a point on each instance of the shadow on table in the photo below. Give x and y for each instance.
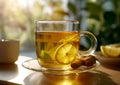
(105, 79)
(111, 67)
(8, 71)
(87, 78)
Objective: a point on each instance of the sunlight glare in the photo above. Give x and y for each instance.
(25, 3)
(65, 82)
(93, 0)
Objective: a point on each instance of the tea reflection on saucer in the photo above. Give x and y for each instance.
(86, 78)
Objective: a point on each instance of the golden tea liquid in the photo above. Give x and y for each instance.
(56, 49)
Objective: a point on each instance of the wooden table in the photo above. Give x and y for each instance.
(18, 74)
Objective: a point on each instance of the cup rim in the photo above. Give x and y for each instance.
(57, 21)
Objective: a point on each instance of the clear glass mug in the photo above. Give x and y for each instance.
(57, 45)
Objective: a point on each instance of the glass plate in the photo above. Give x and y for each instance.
(33, 64)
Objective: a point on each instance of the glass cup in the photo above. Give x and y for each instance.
(57, 45)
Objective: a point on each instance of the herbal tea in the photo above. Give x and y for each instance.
(56, 49)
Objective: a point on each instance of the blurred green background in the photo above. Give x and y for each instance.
(101, 17)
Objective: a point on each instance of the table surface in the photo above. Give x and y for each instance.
(103, 75)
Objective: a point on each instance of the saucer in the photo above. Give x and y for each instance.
(33, 64)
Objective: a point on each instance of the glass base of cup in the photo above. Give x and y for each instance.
(57, 71)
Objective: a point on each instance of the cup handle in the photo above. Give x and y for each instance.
(93, 40)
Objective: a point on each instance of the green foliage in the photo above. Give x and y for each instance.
(94, 10)
(105, 25)
(72, 8)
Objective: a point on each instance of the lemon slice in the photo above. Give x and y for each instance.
(66, 54)
(53, 51)
(110, 50)
(71, 38)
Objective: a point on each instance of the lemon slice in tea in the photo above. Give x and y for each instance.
(66, 54)
(54, 50)
(72, 38)
(110, 50)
